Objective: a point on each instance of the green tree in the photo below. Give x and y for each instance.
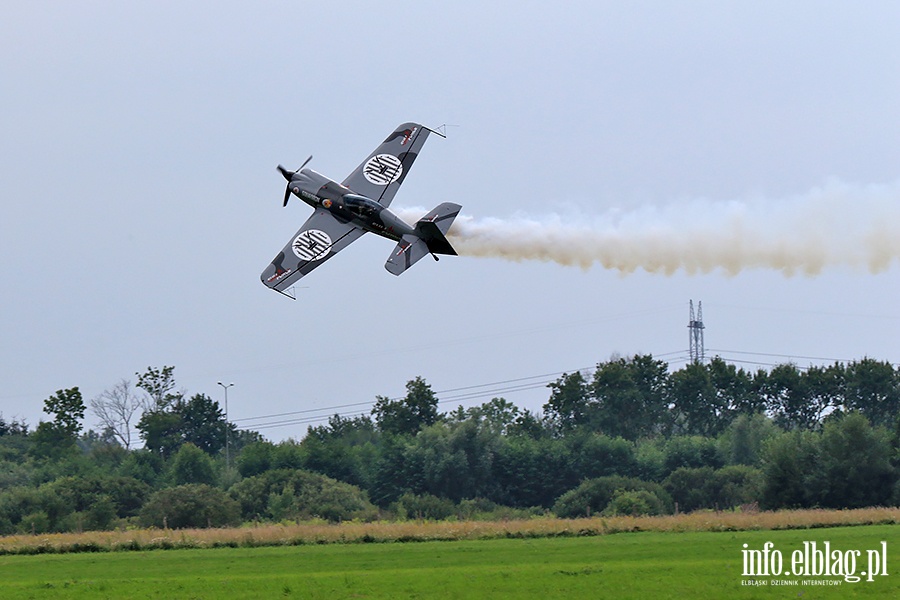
(691, 451)
(873, 389)
(198, 420)
(569, 403)
(826, 390)
(630, 396)
(787, 461)
(161, 431)
(158, 385)
(55, 438)
(143, 465)
(451, 461)
(202, 423)
(742, 441)
(344, 449)
(288, 455)
(735, 389)
(255, 458)
(192, 465)
(407, 416)
(787, 395)
(596, 455)
(12, 428)
(498, 414)
(699, 408)
(854, 468)
(67, 408)
(529, 424)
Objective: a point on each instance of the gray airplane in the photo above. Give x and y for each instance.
(345, 211)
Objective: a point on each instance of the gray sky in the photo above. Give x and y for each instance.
(140, 200)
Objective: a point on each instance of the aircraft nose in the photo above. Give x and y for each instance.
(288, 175)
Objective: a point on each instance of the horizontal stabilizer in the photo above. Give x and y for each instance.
(428, 238)
(406, 254)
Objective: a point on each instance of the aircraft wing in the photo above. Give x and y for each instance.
(380, 175)
(320, 238)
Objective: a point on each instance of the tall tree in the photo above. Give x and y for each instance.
(630, 396)
(743, 440)
(854, 468)
(115, 408)
(735, 391)
(408, 415)
(873, 388)
(698, 406)
(59, 435)
(568, 406)
(787, 394)
(788, 458)
(161, 431)
(67, 408)
(158, 384)
(826, 389)
(202, 423)
(192, 465)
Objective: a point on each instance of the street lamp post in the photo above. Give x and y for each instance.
(227, 427)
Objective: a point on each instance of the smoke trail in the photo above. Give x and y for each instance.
(836, 224)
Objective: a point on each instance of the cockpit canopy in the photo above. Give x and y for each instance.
(360, 205)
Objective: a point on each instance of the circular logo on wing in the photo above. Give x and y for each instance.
(383, 169)
(312, 244)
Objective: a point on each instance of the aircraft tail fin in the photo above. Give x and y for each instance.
(429, 238)
(434, 226)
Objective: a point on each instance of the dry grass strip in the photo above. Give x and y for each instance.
(412, 531)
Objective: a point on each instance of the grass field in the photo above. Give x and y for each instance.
(628, 565)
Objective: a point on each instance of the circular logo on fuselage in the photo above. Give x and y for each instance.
(383, 169)
(312, 244)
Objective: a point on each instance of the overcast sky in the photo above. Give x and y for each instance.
(140, 200)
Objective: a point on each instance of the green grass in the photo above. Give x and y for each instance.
(628, 565)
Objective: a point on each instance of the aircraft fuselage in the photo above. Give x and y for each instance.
(322, 193)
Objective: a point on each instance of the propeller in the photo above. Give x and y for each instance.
(289, 175)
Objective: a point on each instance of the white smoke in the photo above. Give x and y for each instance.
(836, 224)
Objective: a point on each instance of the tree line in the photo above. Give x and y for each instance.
(629, 437)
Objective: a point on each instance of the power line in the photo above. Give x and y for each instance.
(492, 389)
(771, 355)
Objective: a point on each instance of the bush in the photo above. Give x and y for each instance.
(634, 503)
(481, 509)
(423, 506)
(36, 522)
(724, 488)
(594, 495)
(125, 494)
(289, 494)
(691, 488)
(738, 484)
(191, 505)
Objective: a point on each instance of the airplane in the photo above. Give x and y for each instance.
(345, 211)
